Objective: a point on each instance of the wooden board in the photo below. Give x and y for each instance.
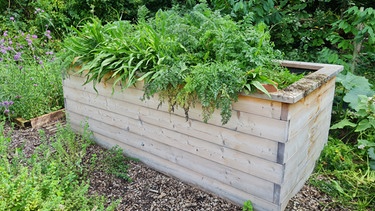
(40, 121)
(252, 165)
(241, 121)
(252, 145)
(223, 174)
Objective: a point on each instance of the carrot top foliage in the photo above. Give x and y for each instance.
(198, 56)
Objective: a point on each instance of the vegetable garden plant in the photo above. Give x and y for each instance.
(187, 58)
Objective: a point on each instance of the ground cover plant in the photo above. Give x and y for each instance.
(198, 56)
(30, 83)
(53, 177)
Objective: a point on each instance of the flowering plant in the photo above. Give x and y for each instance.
(28, 77)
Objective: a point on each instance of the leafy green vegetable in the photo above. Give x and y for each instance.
(195, 57)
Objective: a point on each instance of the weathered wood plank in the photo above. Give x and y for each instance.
(184, 174)
(320, 96)
(238, 160)
(40, 121)
(225, 174)
(241, 121)
(258, 106)
(252, 145)
(294, 174)
(317, 123)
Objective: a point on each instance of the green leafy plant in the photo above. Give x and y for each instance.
(194, 57)
(362, 123)
(28, 77)
(357, 28)
(49, 179)
(247, 206)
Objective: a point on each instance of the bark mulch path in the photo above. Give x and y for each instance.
(151, 190)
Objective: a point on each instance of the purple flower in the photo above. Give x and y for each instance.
(6, 104)
(3, 51)
(34, 36)
(29, 41)
(5, 33)
(17, 57)
(11, 18)
(35, 84)
(49, 53)
(1, 59)
(6, 111)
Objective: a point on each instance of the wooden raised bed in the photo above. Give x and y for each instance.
(265, 153)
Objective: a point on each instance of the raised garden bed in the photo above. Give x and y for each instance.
(265, 153)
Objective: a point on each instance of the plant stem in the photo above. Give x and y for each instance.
(357, 46)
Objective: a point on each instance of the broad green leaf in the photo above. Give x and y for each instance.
(352, 96)
(343, 123)
(372, 164)
(366, 143)
(371, 153)
(371, 120)
(363, 125)
(259, 86)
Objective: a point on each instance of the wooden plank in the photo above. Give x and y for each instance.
(227, 175)
(252, 145)
(250, 164)
(301, 120)
(241, 121)
(314, 99)
(319, 122)
(303, 170)
(258, 106)
(317, 136)
(40, 121)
